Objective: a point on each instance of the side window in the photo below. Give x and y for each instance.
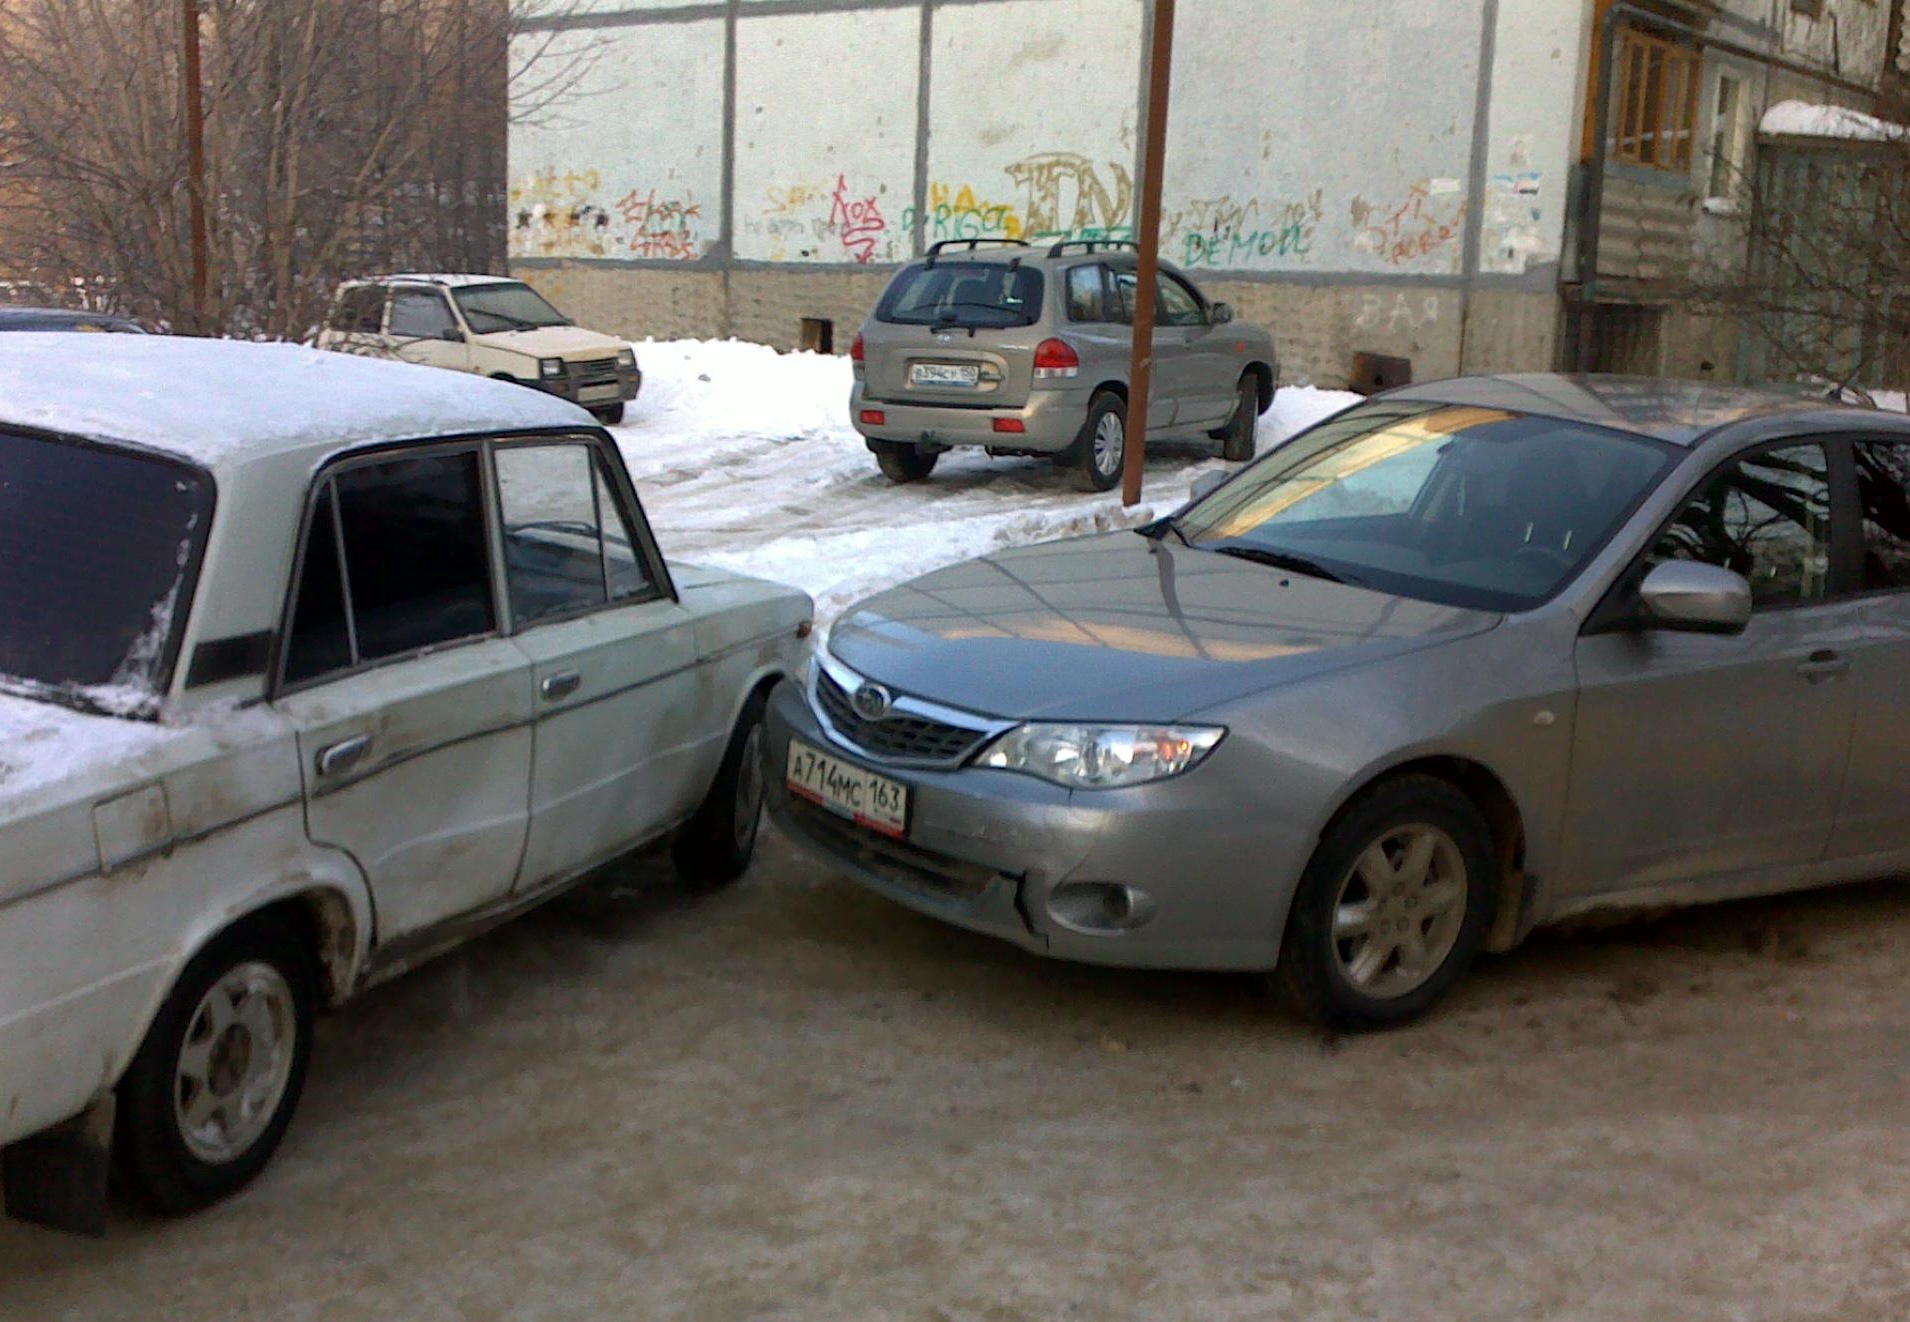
(1766, 516)
(1122, 287)
(396, 560)
(421, 314)
(360, 311)
(1179, 306)
(567, 544)
(1883, 493)
(1085, 294)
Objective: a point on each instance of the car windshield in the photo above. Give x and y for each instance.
(970, 295)
(506, 307)
(95, 547)
(1472, 507)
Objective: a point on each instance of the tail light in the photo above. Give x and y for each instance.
(1056, 359)
(855, 350)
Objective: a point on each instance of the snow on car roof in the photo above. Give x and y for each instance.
(225, 401)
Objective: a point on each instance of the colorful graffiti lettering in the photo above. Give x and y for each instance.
(1409, 232)
(1220, 232)
(858, 224)
(554, 213)
(1056, 178)
(661, 227)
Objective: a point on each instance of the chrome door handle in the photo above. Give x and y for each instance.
(338, 758)
(561, 685)
(1823, 664)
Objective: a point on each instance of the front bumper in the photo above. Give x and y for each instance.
(1050, 421)
(989, 850)
(593, 385)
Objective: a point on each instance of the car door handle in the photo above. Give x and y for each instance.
(1823, 664)
(339, 758)
(555, 687)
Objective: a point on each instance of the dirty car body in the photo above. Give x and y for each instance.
(1616, 642)
(313, 667)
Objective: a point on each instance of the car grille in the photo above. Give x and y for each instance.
(597, 372)
(895, 861)
(900, 735)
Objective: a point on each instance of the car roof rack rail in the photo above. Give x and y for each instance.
(936, 249)
(1092, 245)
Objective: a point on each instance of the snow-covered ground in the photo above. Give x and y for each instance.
(744, 458)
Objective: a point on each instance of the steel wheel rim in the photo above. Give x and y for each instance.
(1110, 438)
(749, 788)
(1399, 910)
(235, 1062)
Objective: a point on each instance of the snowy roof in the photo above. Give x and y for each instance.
(1802, 119)
(448, 280)
(226, 401)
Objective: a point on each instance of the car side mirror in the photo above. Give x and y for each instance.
(1221, 313)
(452, 336)
(1206, 484)
(1689, 596)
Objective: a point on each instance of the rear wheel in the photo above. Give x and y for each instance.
(718, 842)
(1393, 906)
(1100, 451)
(610, 415)
(901, 462)
(1237, 441)
(207, 1098)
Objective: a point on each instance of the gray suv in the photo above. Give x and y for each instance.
(1025, 352)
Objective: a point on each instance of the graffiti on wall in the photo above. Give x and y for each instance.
(561, 213)
(1223, 233)
(1410, 230)
(823, 221)
(1055, 195)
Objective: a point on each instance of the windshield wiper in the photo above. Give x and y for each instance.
(1298, 564)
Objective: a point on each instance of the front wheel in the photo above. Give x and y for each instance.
(717, 844)
(213, 1087)
(609, 415)
(901, 462)
(1100, 451)
(1393, 906)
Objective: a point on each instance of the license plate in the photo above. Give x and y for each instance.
(943, 374)
(597, 394)
(848, 791)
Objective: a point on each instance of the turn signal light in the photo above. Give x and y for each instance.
(1054, 359)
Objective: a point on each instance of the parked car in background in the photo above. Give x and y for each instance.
(65, 319)
(488, 325)
(312, 667)
(1467, 658)
(1026, 352)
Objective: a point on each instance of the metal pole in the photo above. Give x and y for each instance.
(195, 161)
(1140, 374)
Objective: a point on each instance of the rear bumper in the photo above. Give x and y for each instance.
(1050, 421)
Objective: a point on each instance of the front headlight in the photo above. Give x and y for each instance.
(818, 648)
(550, 366)
(1102, 757)
(626, 357)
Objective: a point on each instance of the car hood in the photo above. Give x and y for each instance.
(1117, 627)
(569, 342)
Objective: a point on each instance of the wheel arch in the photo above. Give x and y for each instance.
(1262, 373)
(1112, 387)
(1488, 793)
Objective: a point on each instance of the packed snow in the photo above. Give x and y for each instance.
(1802, 119)
(745, 459)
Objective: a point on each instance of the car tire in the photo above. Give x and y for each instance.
(1237, 440)
(715, 846)
(229, 1046)
(1410, 854)
(901, 462)
(610, 416)
(1099, 453)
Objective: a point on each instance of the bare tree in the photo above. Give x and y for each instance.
(342, 137)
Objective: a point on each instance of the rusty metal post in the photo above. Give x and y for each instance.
(195, 160)
(1140, 376)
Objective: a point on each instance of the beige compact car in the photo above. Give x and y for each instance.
(486, 324)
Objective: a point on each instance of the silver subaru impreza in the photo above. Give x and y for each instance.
(1463, 660)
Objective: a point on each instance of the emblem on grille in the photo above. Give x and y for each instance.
(872, 702)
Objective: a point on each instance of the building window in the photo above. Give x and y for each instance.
(1727, 139)
(1654, 118)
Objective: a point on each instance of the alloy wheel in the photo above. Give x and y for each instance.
(1400, 910)
(235, 1062)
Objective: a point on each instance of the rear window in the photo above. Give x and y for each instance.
(95, 547)
(981, 295)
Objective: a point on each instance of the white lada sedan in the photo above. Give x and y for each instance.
(311, 667)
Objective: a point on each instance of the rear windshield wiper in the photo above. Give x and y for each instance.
(1298, 564)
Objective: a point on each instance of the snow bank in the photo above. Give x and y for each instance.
(745, 459)
(1802, 119)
